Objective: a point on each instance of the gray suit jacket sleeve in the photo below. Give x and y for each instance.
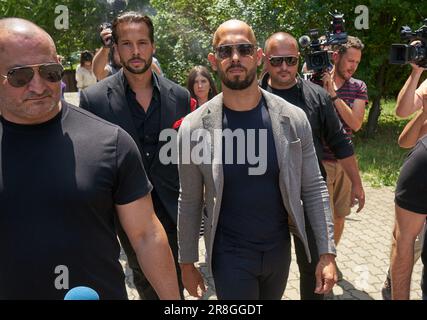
(314, 194)
(190, 202)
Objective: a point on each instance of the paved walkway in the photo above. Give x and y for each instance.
(363, 254)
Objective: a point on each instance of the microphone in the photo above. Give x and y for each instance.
(304, 41)
(81, 293)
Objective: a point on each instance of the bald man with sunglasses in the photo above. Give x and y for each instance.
(246, 217)
(66, 178)
(281, 57)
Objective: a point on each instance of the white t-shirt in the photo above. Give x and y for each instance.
(84, 77)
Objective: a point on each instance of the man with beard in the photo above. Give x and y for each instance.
(65, 175)
(246, 217)
(350, 97)
(143, 103)
(281, 63)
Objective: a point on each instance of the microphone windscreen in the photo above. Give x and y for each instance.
(81, 293)
(304, 41)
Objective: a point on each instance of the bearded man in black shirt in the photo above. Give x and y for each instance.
(66, 178)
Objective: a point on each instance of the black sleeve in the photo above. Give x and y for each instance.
(333, 130)
(131, 181)
(411, 188)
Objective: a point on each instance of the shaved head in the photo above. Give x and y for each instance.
(25, 34)
(233, 26)
(280, 38)
(25, 45)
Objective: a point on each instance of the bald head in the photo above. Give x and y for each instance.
(25, 34)
(233, 27)
(282, 39)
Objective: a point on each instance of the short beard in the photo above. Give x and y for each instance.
(138, 71)
(237, 84)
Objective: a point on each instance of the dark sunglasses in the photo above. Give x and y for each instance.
(277, 61)
(21, 76)
(226, 51)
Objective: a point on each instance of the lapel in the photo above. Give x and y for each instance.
(116, 96)
(212, 122)
(280, 125)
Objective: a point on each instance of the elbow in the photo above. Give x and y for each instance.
(357, 126)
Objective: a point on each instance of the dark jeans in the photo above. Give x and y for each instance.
(142, 285)
(307, 270)
(244, 274)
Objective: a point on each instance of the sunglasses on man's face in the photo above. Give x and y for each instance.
(277, 61)
(21, 76)
(226, 51)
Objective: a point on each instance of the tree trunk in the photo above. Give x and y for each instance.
(375, 111)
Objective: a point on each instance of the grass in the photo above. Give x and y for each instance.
(380, 157)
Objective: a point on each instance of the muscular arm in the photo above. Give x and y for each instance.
(413, 130)
(100, 62)
(149, 240)
(351, 168)
(408, 226)
(406, 100)
(353, 117)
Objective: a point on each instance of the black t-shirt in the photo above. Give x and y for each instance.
(292, 95)
(59, 183)
(252, 211)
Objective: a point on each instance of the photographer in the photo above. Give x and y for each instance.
(350, 98)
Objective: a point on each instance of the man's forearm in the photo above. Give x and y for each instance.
(351, 168)
(348, 115)
(99, 62)
(405, 100)
(157, 262)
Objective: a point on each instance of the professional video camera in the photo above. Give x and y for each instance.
(116, 7)
(411, 53)
(317, 56)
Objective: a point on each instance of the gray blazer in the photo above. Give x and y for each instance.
(301, 183)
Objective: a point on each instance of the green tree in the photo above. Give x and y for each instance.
(184, 31)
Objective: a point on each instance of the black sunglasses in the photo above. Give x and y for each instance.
(21, 76)
(226, 51)
(277, 61)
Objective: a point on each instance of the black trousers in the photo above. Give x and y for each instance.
(142, 285)
(245, 274)
(307, 270)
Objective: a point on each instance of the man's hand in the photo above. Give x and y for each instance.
(192, 280)
(328, 84)
(106, 37)
(357, 196)
(326, 274)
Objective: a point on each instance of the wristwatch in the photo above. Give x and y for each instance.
(334, 98)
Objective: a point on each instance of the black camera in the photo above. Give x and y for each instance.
(318, 58)
(108, 42)
(411, 53)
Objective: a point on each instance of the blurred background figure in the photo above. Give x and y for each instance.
(201, 85)
(84, 73)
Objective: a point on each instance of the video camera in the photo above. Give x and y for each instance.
(317, 57)
(408, 53)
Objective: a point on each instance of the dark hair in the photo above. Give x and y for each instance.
(132, 17)
(352, 42)
(85, 56)
(203, 71)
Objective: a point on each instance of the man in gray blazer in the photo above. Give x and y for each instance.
(249, 198)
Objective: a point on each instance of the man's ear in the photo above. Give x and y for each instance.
(212, 60)
(335, 57)
(260, 56)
